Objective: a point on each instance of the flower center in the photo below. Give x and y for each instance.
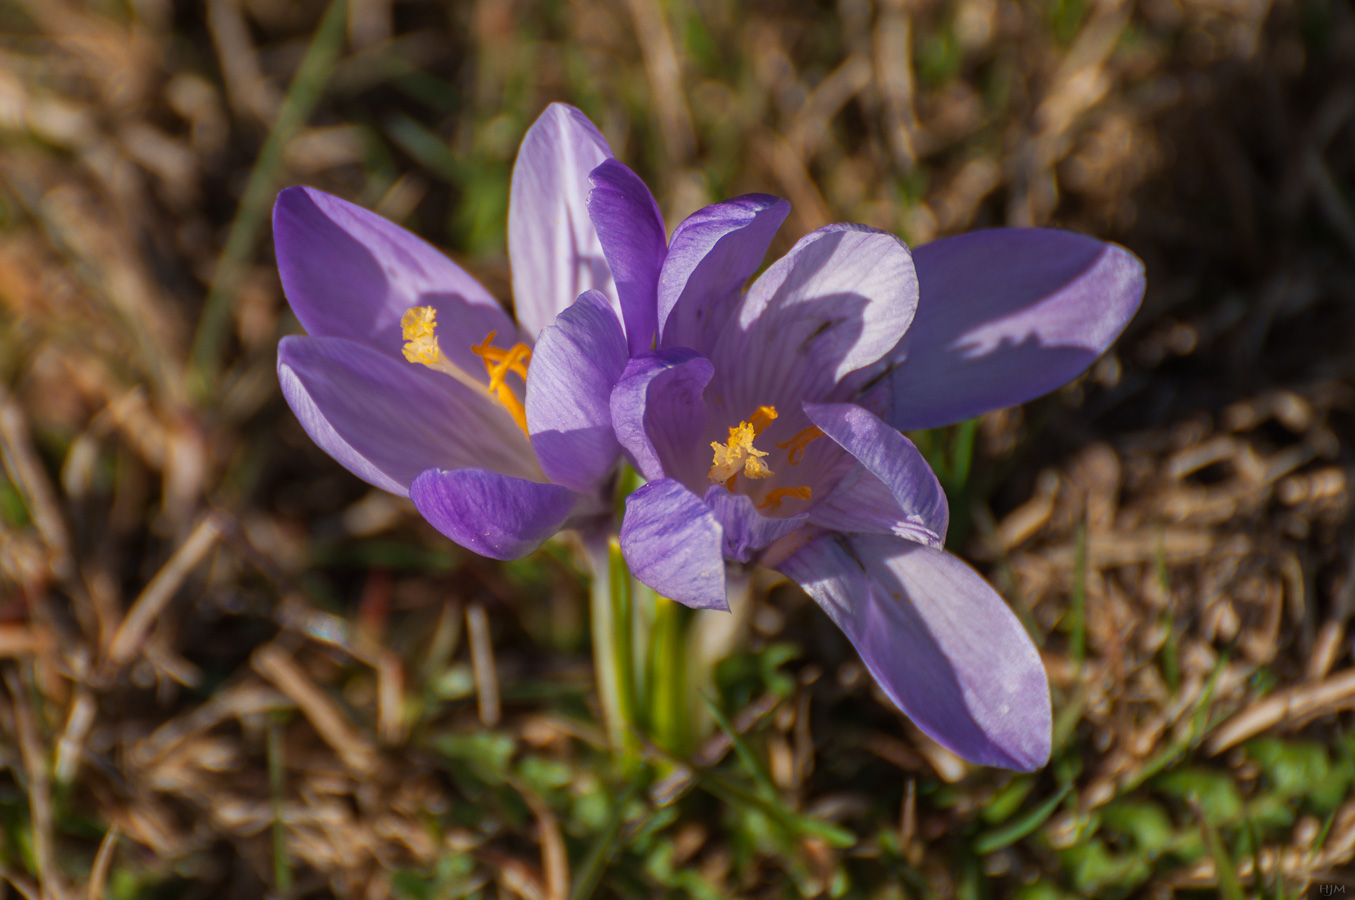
(738, 456)
(738, 453)
(418, 326)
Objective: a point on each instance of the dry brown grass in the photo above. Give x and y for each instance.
(190, 594)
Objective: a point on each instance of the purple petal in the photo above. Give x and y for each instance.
(671, 541)
(576, 363)
(634, 241)
(895, 491)
(659, 415)
(386, 421)
(494, 515)
(554, 251)
(712, 255)
(1007, 315)
(348, 273)
(840, 300)
(745, 530)
(938, 640)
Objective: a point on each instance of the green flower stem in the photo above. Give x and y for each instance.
(612, 662)
(669, 697)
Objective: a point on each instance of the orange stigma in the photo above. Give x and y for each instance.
(796, 445)
(498, 363)
(773, 499)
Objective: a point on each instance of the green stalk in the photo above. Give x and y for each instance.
(623, 606)
(610, 620)
(669, 706)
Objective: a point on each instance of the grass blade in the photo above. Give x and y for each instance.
(590, 873)
(307, 87)
(998, 838)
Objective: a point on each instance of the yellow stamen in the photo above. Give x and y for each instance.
(738, 455)
(421, 344)
(797, 444)
(774, 497)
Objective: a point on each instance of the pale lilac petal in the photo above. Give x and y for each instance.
(574, 367)
(386, 421)
(659, 415)
(895, 493)
(712, 255)
(746, 531)
(840, 300)
(671, 542)
(491, 514)
(939, 641)
(634, 240)
(862, 503)
(551, 242)
(1007, 315)
(348, 273)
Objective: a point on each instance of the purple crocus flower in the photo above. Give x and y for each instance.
(766, 423)
(412, 376)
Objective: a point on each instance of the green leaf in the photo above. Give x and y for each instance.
(590, 873)
(1300, 769)
(486, 753)
(1218, 797)
(1145, 823)
(1008, 799)
(998, 838)
(1094, 868)
(1225, 868)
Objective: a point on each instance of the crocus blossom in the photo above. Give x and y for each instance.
(412, 376)
(766, 423)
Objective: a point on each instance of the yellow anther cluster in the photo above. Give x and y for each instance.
(738, 455)
(421, 344)
(498, 363)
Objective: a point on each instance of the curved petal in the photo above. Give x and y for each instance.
(938, 640)
(554, 251)
(492, 514)
(387, 421)
(348, 273)
(745, 530)
(897, 493)
(659, 415)
(634, 240)
(712, 255)
(671, 541)
(574, 367)
(1007, 315)
(840, 300)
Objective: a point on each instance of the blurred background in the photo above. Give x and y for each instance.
(231, 670)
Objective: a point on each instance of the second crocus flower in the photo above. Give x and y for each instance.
(766, 424)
